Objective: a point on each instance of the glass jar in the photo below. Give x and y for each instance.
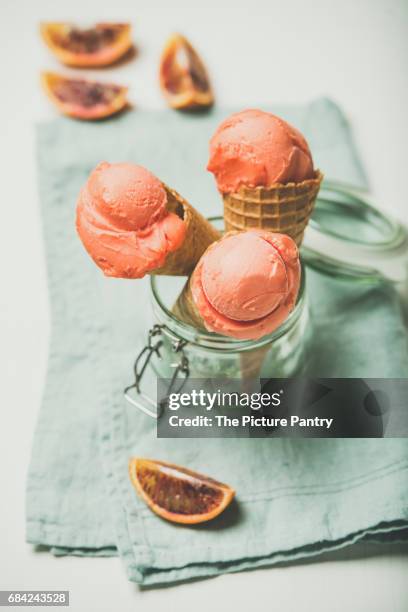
(280, 354)
(348, 236)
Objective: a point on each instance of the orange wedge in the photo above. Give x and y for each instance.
(98, 46)
(183, 77)
(178, 494)
(84, 99)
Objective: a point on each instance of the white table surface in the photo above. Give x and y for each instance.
(355, 51)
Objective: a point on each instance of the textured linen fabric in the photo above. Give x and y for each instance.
(295, 498)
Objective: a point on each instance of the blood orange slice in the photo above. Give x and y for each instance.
(84, 99)
(98, 46)
(183, 76)
(178, 494)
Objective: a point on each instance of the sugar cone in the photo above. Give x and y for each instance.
(199, 235)
(282, 208)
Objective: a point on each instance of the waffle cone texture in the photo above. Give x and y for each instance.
(199, 235)
(185, 310)
(285, 209)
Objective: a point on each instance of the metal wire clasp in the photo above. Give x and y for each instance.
(139, 368)
(182, 366)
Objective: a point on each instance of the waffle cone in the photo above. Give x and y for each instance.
(199, 235)
(185, 310)
(281, 208)
(250, 362)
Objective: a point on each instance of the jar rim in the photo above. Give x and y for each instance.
(183, 331)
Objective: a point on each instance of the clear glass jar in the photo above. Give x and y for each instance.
(347, 237)
(280, 354)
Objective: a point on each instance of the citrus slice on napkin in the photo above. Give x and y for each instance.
(178, 494)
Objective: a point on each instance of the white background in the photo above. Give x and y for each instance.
(257, 52)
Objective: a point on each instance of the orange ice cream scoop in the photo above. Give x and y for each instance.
(123, 221)
(254, 148)
(246, 284)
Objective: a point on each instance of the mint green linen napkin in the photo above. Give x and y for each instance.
(295, 498)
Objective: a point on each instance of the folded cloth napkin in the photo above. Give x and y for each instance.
(295, 498)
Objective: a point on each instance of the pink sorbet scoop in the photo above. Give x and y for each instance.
(254, 148)
(246, 284)
(123, 221)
